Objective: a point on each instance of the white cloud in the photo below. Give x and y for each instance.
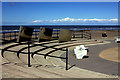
(64, 19)
(84, 20)
(37, 21)
(72, 20)
(113, 19)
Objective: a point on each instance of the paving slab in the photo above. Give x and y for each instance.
(94, 62)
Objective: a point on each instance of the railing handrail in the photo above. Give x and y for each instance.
(13, 34)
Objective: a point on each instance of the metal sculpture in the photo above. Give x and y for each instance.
(65, 35)
(45, 34)
(25, 34)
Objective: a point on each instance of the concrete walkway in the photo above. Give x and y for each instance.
(14, 67)
(94, 62)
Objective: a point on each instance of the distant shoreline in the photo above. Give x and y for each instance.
(72, 27)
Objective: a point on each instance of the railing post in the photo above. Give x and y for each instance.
(57, 33)
(35, 34)
(15, 35)
(73, 34)
(29, 54)
(66, 58)
(90, 35)
(10, 35)
(82, 34)
(3, 36)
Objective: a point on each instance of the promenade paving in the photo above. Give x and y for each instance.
(94, 62)
(14, 67)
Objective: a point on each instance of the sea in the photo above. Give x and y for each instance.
(6, 28)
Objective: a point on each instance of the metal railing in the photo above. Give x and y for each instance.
(7, 36)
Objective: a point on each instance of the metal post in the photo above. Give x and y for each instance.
(10, 35)
(15, 35)
(73, 34)
(28, 54)
(82, 34)
(35, 34)
(90, 35)
(3, 36)
(66, 58)
(57, 33)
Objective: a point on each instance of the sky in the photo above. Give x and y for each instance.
(59, 13)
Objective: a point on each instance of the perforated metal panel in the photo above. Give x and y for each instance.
(45, 34)
(25, 34)
(65, 35)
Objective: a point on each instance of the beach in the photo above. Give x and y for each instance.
(14, 67)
